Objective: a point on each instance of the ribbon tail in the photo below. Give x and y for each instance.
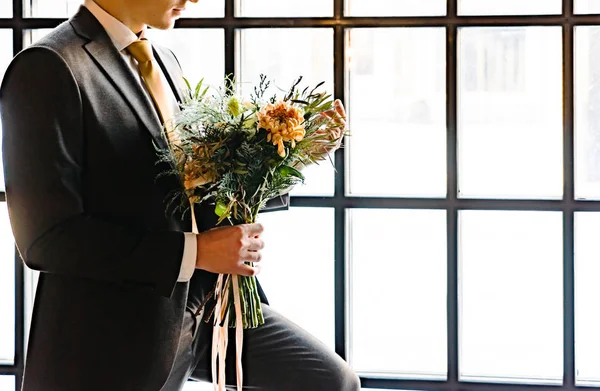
(194, 225)
(216, 334)
(223, 353)
(239, 333)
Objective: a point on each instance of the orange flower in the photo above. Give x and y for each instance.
(284, 123)
(193, 175)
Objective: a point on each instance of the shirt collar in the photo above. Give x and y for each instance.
(120, 35)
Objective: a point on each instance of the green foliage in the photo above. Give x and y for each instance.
(223, 157)
(218, 134)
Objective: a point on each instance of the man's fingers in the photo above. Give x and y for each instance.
(254, 230)
(252, 256)
(338, 114)
(339, 108)
(256, 244)
(248, 271)
(328, 113)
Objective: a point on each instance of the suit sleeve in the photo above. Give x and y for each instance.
(43, 144)
(278, 203)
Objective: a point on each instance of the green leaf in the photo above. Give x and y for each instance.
(204, 92)
(198, 87)
(220, 209)
(187, 83)
(287, 171)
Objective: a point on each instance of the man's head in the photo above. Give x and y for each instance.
(137, 14)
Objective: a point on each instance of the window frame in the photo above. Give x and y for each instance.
(341, 201)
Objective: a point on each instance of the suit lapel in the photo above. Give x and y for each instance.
(101, 49)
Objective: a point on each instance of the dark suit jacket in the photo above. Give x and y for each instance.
(87, 211)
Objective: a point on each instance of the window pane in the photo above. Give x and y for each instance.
(205, 9)
(397, 269)
(32, 36)
(7, 383)
(587, 291)
(200, 52)
(50, 8)
(313, 61)
(511, 295)
(298, 268)
(278, 8)
(397, 112)
(509, 7)
(395, 8)
(7, 289)
(587, 6)
(587, 112)
(31, 283)
(510, 112)
(6, 9)
(6, 55)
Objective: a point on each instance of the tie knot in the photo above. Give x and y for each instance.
(141, 50)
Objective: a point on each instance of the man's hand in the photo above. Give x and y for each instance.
(338, 115)
(225, 250)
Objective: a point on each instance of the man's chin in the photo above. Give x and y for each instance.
(164, 24)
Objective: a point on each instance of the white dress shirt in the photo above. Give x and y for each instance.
(121, 36)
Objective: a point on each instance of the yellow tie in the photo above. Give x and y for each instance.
(141, 50)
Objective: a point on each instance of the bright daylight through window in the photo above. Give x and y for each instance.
(454, 245)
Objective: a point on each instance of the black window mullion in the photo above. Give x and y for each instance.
(8, 370)
(17, 34)
(452, 298)
(19, 319)
(346, 22)
(569, 199)
(569, 300)
(19, 356)
(432, 385)
(452, 194)
(230, 53)
(375, 22)
(340, 272)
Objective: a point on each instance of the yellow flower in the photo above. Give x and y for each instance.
(234, 106)
(283, 122)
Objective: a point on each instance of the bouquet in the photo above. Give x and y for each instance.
(236, 154)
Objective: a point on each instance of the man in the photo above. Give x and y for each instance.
(117, 307)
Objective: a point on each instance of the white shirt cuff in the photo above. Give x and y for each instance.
(188, 261)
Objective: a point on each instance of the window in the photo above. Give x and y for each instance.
(510, 104)
(7, 290)
(455, 245)
(587, 126)
(313, 62)
(510, 296)
(397, 105)
(7, 383)
(394, 257)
